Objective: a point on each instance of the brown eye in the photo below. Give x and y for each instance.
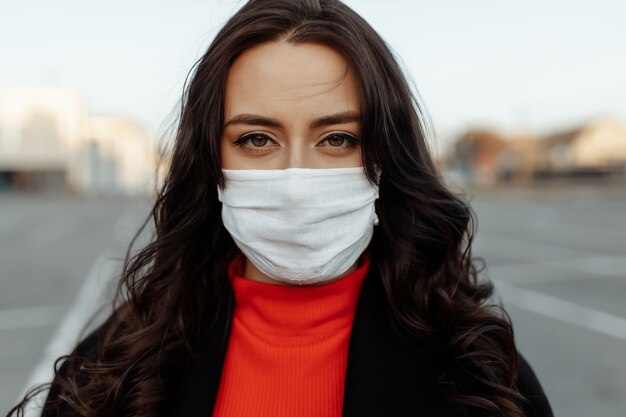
(340, 140)
(255, 139)
(258, 140)
(336, 140)
(254, 142)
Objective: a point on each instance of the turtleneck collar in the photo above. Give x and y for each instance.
(288, 315)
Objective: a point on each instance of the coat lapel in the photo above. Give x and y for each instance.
(386, 377)
(195, 393)
(195, 385)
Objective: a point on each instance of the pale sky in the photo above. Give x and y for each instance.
(533, 66)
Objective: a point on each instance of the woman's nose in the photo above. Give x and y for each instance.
(297, 156)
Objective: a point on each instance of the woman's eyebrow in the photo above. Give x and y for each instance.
(333, 119)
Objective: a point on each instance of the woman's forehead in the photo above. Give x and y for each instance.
(292, 77)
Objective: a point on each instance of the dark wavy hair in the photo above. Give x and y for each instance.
(173, 293)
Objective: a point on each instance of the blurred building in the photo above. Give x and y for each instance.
(593, 150)
(49, 142)
(597, 148)
(477, 155)
(517, 160)
(117, 156)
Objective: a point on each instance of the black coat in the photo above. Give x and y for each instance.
(384, 377)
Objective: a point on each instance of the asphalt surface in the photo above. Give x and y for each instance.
(49, 247)
(557, 256)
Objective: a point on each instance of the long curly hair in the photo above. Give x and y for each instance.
(173, 293)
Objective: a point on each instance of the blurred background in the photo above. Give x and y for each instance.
(526, 110)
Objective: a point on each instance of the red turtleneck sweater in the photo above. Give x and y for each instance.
(288, 348)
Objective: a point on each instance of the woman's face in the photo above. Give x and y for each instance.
(290, 105)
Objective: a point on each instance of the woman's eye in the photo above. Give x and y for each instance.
(254, 142)
(341, 141)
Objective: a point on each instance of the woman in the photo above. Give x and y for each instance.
(308, 260)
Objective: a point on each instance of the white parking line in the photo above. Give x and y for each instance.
(90, 298)
(565, 311)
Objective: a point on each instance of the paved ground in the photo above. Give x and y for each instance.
(49, 247)
(558, 257)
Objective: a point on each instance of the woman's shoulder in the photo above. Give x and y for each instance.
(89, 346)
(529, 385)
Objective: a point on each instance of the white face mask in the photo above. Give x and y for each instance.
(300, 225)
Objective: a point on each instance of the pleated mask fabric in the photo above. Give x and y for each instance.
(300, 225)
